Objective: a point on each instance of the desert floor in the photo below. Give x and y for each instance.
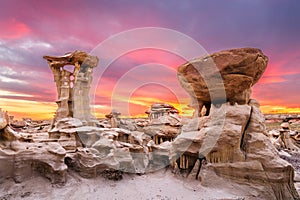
(161, 185)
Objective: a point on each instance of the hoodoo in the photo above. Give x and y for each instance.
(240, 69)
(242, 150)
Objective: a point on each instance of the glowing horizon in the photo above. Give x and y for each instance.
(33, 110)
(57, 27)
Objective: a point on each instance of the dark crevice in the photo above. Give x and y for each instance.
(200, 158)
(242, 145)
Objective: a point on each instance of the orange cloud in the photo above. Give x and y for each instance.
(271, 79)
(279, 109)
(287, 65)
(25, 108)
(145, 96)
(135, 104)
(99, 111)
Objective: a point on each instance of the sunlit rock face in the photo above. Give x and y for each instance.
(234, 71)
(73, 86)
(241, 149)
(22, 156)
(3, 119)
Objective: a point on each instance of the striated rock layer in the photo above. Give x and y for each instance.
(232, 138)
(23, 160)
(241, 152)
(73, 85)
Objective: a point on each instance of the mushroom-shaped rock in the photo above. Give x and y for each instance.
(113, 113)
(114, 118)
(234, 71)
(285, 126)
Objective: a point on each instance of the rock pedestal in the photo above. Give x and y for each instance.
(73, 86)
(231, 138)
(234, 71)
(240, 150)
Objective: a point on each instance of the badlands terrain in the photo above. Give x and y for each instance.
(227, 150)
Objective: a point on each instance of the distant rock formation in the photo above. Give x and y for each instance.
(240, 69)
(113, 116)
(164, 123)
(161, 109)
(285, 138)
(3, 119)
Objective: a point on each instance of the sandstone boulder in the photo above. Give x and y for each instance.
(241, 151)
(24, 160)
(234, 71)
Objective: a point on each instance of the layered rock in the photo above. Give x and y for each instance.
(223, 76)
(241, 151)
(21, 160)
(164, 123)
(158, 110)
(21, 157)
(73, 85)
(99, 149)
(232, 137)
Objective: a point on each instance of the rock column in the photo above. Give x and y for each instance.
(73, 86)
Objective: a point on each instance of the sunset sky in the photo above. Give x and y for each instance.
(31, 29)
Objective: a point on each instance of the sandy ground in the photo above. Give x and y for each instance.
(161, 185)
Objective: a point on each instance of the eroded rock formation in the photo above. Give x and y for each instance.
(285, 138)
(73, 86)
(114, 119)
(158, 110)
(241, 151)
(240, 69)
(21, 155)
(164, 123)
(3, 119)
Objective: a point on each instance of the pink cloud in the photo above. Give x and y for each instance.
(271, 79)
(67, 26)
(156, 56)
(13, 29)
(284, 63)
